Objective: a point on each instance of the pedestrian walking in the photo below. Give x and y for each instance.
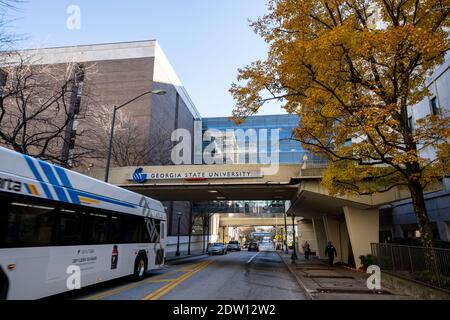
(307, 250)
(331, 252)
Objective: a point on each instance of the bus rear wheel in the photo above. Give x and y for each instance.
(140, 266)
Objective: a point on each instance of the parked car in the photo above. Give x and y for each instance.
(233, 246)
(217, 248)
(253, 247)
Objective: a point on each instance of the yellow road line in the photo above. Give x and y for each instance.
(170, 286)
(161, 281)
(138, 284)
(191, 267)
(130, 286)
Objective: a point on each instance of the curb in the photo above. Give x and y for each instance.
(184, 257)
(297, 278)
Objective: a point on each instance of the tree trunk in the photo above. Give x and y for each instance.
(420, 210)
(423, 221)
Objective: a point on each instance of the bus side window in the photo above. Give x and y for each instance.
(25, 225)
(97, 226)
(70, 228)
(115, 229)
(131, 229)
(153, 228)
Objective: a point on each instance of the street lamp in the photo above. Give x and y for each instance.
(108, 161)
(294, 252)
(286, 250)
(178, 236)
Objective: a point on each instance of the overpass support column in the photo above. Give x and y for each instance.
(321, 237)
(306, 233)
(336, 232)
(363, 228)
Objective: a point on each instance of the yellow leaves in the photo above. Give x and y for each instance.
(405, 158)
(347, 80)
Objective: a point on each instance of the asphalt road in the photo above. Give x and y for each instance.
(235, 276)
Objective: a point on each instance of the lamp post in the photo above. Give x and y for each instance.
(286, 250)
(294, 247)
(178, 234)
(108, 161)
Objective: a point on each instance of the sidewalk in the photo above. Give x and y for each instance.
(338, 283)
(170, 256)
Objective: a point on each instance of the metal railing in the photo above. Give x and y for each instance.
(429, 266)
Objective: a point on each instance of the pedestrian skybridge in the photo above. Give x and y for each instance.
(350, 222)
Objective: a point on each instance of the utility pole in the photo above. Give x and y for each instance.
(286, 250)
(73, 112)
(294, 247)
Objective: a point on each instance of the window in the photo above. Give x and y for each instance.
(135, 230)
(32, 224)
(97, 228)
(70, 228)
(25, 225)
(434, 106)
(115, 229)
(154, 228)
(411, 123)
(161, 232)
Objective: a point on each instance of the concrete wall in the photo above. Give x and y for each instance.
(363, 229)
(196, 244)
(336, 232)
(321, 237)
(306, 233)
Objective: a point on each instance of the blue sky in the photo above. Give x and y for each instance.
(205, 40)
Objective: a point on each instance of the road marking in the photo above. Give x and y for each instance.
(251, 259)
(155, 295)
(130, 286)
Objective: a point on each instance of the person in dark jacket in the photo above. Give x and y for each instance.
(306, 250)
(331, 252)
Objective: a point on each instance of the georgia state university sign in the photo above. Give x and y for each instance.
(140, 177)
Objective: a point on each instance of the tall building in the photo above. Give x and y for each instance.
(398, 219)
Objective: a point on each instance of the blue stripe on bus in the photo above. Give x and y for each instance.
(104, 199)
(52, 179)
(66, 183)
(74, 194)
(38, 177)
(28, 188)
(63, 177)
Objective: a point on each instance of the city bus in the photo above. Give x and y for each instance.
(61, 230)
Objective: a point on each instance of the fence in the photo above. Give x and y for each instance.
(429, 266)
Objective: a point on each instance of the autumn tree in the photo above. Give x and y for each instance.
(353, 71)
(37, 109)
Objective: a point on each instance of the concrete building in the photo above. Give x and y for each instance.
(398, 219)
(115, 73)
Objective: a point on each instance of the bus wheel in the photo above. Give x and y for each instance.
(140, 266)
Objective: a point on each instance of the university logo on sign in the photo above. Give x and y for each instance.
(139, 176)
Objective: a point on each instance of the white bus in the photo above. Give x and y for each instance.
(56, 225)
